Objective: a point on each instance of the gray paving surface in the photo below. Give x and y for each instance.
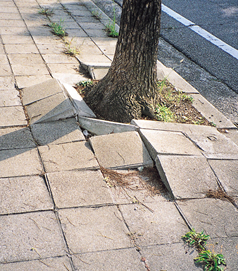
(57, 210)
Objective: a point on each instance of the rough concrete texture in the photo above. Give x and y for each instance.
(30, 236)
(16, 138)
(19, 162)
(10, 98)
(106, 231)
(121, 150)
(55, 107)
(78, 188)
(12, 116)
(48, 264)
(186, 176)
(227, 173)
(161, 224)
(218, 218)
(57, 132)
(24, 194)
(161, 142)
(116, 260)
(69, 156)
(40, 91)
(232, 134)
(103, 127)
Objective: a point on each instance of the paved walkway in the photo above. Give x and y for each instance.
(57, 211)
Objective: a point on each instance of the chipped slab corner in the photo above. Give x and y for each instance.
(96, 70)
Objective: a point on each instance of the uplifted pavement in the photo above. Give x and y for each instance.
(58, 211)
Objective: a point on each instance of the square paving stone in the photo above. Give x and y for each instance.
(52, 108)
(30, 236)
(36, 69)
(121, 150)
(13, 39)
(7, 82)
(170, 257)
(25, 59)
(16, 138)
(23, 81)
(48, 264)
(57, 132)
(78, 188)
(186, 176)
(116, 260)
(19, 162)
(218, 218)
(10, 98)
(161, 142)
(213, 143)
(24, 194)
(12, 116)
(59, 59)
(41, 91)
(21, 49)
(94, 229)
(227, 173)
(69, 156)
(5, 70)
(160, 224)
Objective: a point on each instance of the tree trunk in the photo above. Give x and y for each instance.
(129, 88)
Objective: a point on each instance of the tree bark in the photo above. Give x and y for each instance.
(129, 88)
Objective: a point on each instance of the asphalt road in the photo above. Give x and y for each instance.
(212, 71)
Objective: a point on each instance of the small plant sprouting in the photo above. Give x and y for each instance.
(211, 260)
(193, 238)
(96, 14)
(46, 11)
(111, 27)
(71, 50)
(163, 113)
(58, 29)
(85, 83)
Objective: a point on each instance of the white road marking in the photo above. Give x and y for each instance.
(203, 33)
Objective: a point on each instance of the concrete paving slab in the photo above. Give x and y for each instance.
(10, 98)
(227, 173)
(213, 143)
(170, 257)
(117, 260)
(21, 49)
(69, 78)
(9, 30)
(19, 162)
(46, 39)
(36, 69)
(65, 68)
(78, 188)
(23, 81)
(24, 194)
(232, 134)
(12, 116)
(16, 138)
(3, 59)
(25, 59)
(7, 15)
(54, 48)
(52, 108)
(186, 176)
(57, 132)
(48, 264)
(102, 127)
(210, 112)
(218, 218)
(93, 60)
(170, 143)
(59, 59)
(7, 82)
(163, 225)
(121, 150)
(5, 70)
(81, 107)
(94, 229)
(10, 39)
(69, 156)
(40, 91)
(30, 236)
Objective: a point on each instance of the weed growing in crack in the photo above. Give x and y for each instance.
(193, 238)
(58, 29)
(46, 11)
(111, 27)
(71, 50)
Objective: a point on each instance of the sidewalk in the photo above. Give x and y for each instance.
(57, 211)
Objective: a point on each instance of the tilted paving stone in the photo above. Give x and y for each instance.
(69, 156)
(57, 132)
(78, 188)
(160, 224)
(48, 264)
(232, 134)
(116, 260)
(24, 194)
(19, 162)
(161, 142)
(218, 218)
(94, 229)
(175, 256)
(227, 173)
(12, 116)
(30, 236)
(186, 176)
(23, 81)
(121, 150)
(52, 108)
(15, 138)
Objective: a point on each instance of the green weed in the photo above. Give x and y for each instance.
(71, 50)
(46, 11)
(163, 113)
(193, 238)
(111, 27)
(85, 83)
(58, 29)
(211, 260)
